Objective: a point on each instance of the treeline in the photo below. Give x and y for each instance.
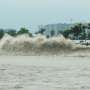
(79, 31)
(14, 33)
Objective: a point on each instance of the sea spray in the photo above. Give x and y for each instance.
(38, 45)
(5, 41)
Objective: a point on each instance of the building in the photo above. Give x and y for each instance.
(54, 29)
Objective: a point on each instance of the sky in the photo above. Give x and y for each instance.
(31, 13)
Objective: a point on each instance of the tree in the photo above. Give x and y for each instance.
(1, 33)
(83, 35)
(23, 30)
(66, 33)
(47, 36)
(12, 32)
(41, 31)
(88, 25)
(77, 29)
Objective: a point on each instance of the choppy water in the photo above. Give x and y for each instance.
(44, 73)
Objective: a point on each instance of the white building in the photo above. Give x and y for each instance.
(55, 28)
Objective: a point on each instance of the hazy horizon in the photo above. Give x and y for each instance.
(31, 13)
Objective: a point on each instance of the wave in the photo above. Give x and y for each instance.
(40, 45)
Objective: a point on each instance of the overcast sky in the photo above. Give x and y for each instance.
(31, 13)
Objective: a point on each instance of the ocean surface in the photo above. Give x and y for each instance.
(44, 73)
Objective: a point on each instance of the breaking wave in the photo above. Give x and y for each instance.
(40, 45)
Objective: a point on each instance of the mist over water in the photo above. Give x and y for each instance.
(40, 45)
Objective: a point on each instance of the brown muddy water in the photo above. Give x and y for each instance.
(44, 73)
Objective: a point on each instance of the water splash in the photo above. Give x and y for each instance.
(39, 45)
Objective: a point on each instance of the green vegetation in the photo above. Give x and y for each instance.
(1, 33)
(14, 33)
(24, 30)
(11, 32)
(41, 31)
(78, 31)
